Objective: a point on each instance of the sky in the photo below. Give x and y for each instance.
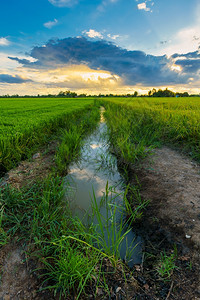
(99, 46)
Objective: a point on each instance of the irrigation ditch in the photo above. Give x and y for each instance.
(97, 193)
(79, 221)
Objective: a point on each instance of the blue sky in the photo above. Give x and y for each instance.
(99, 45)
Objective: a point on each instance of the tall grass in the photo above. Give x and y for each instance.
(134, 204)
(72, 139)
(140, 124)
(108, 225)
(70, 251)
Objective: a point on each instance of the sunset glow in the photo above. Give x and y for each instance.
(103, 53)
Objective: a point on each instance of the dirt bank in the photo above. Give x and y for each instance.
(30, 171)
(19, 280)
(172, 184)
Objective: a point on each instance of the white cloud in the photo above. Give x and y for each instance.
(6, 63)
(113, 37)
(50, 24)
(4, 41)
(184, 41)
(63, 3)
(143, 6)
(93, 34)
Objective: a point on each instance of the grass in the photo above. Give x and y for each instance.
(108, 224)
(166, 265)
(139, 124)
(134, 204)
(42, 220)
(72, 139)
(27, 123)
(38, 216)
(135, 127)
(69, 251)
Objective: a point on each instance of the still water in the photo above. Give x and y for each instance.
(87, 180)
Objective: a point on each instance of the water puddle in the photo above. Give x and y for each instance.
(94, 184)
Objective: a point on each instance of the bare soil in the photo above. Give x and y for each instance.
(171, 182)
(30, 171)
(15, 282)
(19, 280)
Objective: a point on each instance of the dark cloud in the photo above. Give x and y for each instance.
(194, 54)
(189, 65)
(135, 67)
(5, 78)
(189, 62)
(21, 61)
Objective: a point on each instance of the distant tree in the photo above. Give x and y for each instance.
(67, 94)
(185, 94)
(61, 94)
(161, 93)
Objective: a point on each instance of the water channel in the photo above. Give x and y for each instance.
(96, 176)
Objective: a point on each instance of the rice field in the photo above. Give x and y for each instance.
(139, 124)
(136, 123)
(27, 123)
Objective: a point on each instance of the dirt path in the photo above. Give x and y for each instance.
(173, 182)
(16, 283)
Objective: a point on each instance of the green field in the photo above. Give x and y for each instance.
(36, 215)
(136, 123)
(139, 124)
(26, 123)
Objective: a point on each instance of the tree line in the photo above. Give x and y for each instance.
(68, 94)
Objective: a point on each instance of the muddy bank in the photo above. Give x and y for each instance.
(172, 220)
(19, 278)
(30, 171)
(172, 182)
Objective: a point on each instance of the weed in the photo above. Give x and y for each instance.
(134, 204)
(166, 265)
(189, 265)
